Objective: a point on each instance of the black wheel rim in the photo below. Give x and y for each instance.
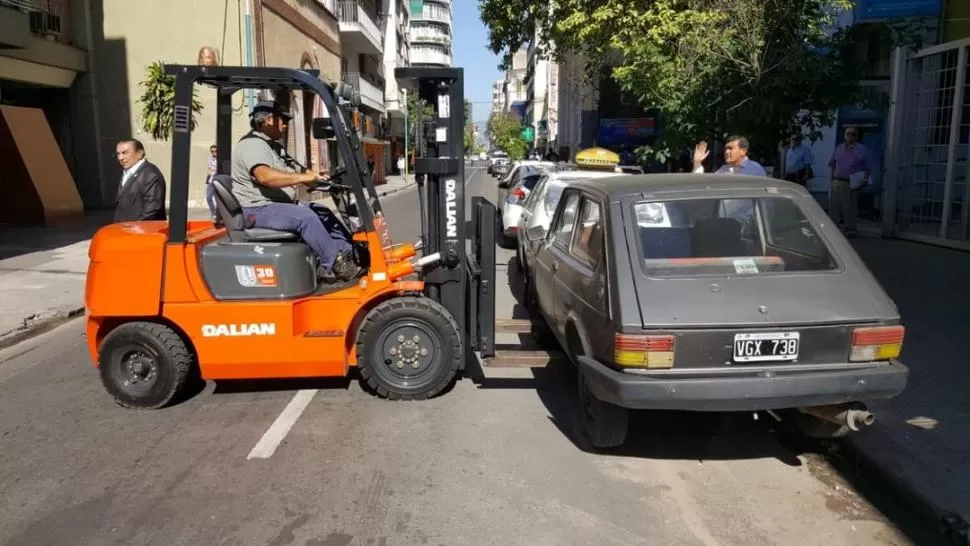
(136, 370)
(407, 352)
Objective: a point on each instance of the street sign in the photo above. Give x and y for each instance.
(417, 6)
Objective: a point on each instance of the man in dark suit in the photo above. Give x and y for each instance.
(141, 193)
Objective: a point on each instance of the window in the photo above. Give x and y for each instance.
(728, 237)
(564, 227)
(552, 196)
(536, 192)
(587, 243)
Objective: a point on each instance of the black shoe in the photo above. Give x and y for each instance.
(325, 276)
(344, 268)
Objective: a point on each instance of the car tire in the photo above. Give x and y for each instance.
(538, 329)
(144, 365)
(605, 425)
(408, 348)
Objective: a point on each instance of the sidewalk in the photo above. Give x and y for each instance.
(921, 439)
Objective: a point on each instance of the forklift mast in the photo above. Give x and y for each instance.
(462, 281)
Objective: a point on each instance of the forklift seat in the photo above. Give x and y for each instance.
(240, 227)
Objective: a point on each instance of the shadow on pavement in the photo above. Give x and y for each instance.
(19, 240)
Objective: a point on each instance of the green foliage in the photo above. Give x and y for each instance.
(158, 102)
(505, 130)
(761, 68)
(416, 108)
(469, 128)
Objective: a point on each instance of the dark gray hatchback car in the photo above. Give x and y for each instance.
(710, 292)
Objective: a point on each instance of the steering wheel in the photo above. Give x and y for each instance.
(332, 183)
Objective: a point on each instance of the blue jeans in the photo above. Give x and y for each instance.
(210, 196)
(326, 244)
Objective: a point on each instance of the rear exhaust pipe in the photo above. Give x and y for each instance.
(854, 416)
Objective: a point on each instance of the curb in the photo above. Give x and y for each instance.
(37, 324)
(951, 527)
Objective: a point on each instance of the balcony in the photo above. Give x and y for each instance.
(371, 95)
(47, 19)
(430, 56)
(429, 34)
(359, 31)
(438, 13)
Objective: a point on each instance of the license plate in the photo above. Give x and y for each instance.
(766, 346)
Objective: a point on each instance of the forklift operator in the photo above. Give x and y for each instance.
(264, 186)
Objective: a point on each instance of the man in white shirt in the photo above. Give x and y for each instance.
(141, 192)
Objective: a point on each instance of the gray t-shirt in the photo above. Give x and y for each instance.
(247, 154)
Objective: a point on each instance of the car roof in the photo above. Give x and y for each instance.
(621, 185)
(582, 175)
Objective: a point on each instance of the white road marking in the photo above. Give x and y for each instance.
(276, 432)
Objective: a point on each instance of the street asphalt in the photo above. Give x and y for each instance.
(324, 464)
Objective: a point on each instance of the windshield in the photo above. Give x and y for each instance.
(749, 236)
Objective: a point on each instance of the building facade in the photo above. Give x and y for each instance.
(397, 53)
(82, 62)
(362, 60)
(430, 34)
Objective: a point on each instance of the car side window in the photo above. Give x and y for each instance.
(529, 199)
(563, 231)
(587, 241)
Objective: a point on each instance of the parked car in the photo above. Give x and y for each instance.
(707, 292)
(512, 192)
(540, 204)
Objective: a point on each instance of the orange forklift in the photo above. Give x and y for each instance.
(222, 300)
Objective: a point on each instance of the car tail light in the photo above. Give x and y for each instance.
(639, 351)
(876, 343)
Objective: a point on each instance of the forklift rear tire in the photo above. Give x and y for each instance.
(144, 365)
(408, 348)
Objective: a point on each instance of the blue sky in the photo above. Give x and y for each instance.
(470, 51)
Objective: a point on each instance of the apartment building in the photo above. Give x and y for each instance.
(397, 53)
(362, 60)
(81, 63)
(498, 96)
(514, 88)
(430, 33)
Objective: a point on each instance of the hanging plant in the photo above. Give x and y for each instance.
(158, 102)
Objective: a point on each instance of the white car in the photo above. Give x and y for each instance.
(540, 205)
(512, 192)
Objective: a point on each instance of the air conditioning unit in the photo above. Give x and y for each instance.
(45, 23)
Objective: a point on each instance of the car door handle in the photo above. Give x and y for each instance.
(555, 265)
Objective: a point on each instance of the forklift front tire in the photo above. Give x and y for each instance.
(144, 365)
(408, 348)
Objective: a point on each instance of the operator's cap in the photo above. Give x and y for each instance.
(269, 107)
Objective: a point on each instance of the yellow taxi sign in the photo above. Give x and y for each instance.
(597, 158)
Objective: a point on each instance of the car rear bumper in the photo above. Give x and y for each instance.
(778, 389)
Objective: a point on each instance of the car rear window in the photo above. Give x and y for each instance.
(751, 236)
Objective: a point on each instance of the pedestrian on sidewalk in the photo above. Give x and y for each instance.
(210, 197)
(736, 160)
(141, 192)
(798, 161)
(849, 172)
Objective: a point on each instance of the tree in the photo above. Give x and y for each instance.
(417, 108)
(762, 68)
(158, 102)
(469, 128)
(505, 130)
